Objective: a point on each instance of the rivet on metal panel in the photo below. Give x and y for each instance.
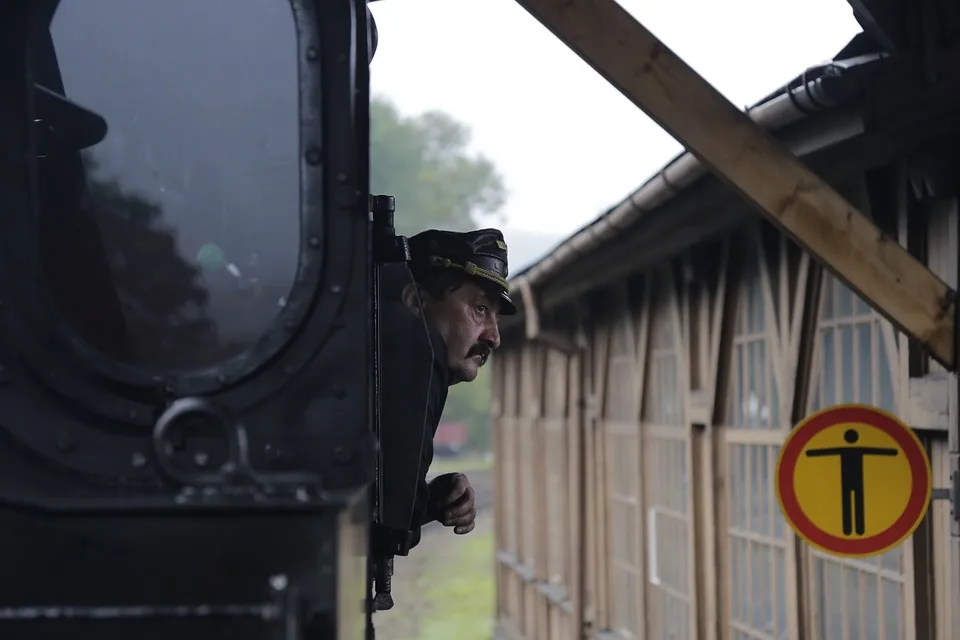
(279, 582)
(66, 442)
(272, 453)
(343, 455)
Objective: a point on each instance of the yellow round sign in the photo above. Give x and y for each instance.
(853, 481)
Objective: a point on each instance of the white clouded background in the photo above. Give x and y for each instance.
(567, 143)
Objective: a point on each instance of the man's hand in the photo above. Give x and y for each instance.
(453, 502)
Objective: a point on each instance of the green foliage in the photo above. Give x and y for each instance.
(424, 162)
(445, 589)
(465, 598)
(469, 402)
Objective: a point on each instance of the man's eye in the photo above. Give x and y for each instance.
(482, 309)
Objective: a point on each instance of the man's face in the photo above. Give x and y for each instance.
(467, 318)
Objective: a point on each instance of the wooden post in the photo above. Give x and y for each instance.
(757, 166)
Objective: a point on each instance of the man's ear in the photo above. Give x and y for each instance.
(411, 298)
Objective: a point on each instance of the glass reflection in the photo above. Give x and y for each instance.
(173, 242)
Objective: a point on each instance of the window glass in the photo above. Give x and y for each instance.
(170, 242)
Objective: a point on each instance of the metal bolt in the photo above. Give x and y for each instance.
(66, 442)
(312, 54)
(313, 156)
(138, 459)
(335, 289)
(341, 177)
(201, 458)
(278, 582)
(271, 452)
(314, 242)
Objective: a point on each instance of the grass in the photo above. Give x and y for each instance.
(464, 598)
(445, 589)
(466, 464)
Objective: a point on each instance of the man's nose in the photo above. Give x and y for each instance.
(491, 334)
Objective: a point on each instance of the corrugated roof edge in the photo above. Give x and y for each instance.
(818, 89)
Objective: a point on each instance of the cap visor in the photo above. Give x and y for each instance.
(507, 308)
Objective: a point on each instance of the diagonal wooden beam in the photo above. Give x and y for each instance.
(757, 166)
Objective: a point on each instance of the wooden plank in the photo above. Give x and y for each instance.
(757, 166)
(577, 488)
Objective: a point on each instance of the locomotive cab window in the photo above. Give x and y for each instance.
(168, 174)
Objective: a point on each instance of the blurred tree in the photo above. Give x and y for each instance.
(469, 402)
(117, 276)
(424, 162)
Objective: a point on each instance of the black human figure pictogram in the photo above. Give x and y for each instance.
(851, 478)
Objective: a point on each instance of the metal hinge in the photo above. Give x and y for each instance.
(949, 493)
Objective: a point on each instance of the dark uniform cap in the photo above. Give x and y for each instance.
(479, 254)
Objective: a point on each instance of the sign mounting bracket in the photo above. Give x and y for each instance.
(949, 493)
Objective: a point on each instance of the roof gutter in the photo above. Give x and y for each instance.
(834, 87)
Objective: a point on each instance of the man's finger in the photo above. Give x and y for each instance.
(458, 498)
(462, 511)
(465, 529)
(460, 489)
(460, 517)
(466, 519)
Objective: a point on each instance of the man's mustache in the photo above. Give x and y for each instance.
(481, 349)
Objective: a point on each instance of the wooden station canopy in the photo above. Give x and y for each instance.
(762, 170)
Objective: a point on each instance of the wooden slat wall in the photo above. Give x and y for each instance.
(634, 473)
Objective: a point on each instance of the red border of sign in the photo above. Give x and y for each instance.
(916, 456)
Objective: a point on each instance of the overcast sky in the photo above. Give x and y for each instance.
(567, 143)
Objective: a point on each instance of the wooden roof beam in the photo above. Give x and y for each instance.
(764, 172)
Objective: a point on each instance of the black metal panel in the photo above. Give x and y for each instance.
(229, 501)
